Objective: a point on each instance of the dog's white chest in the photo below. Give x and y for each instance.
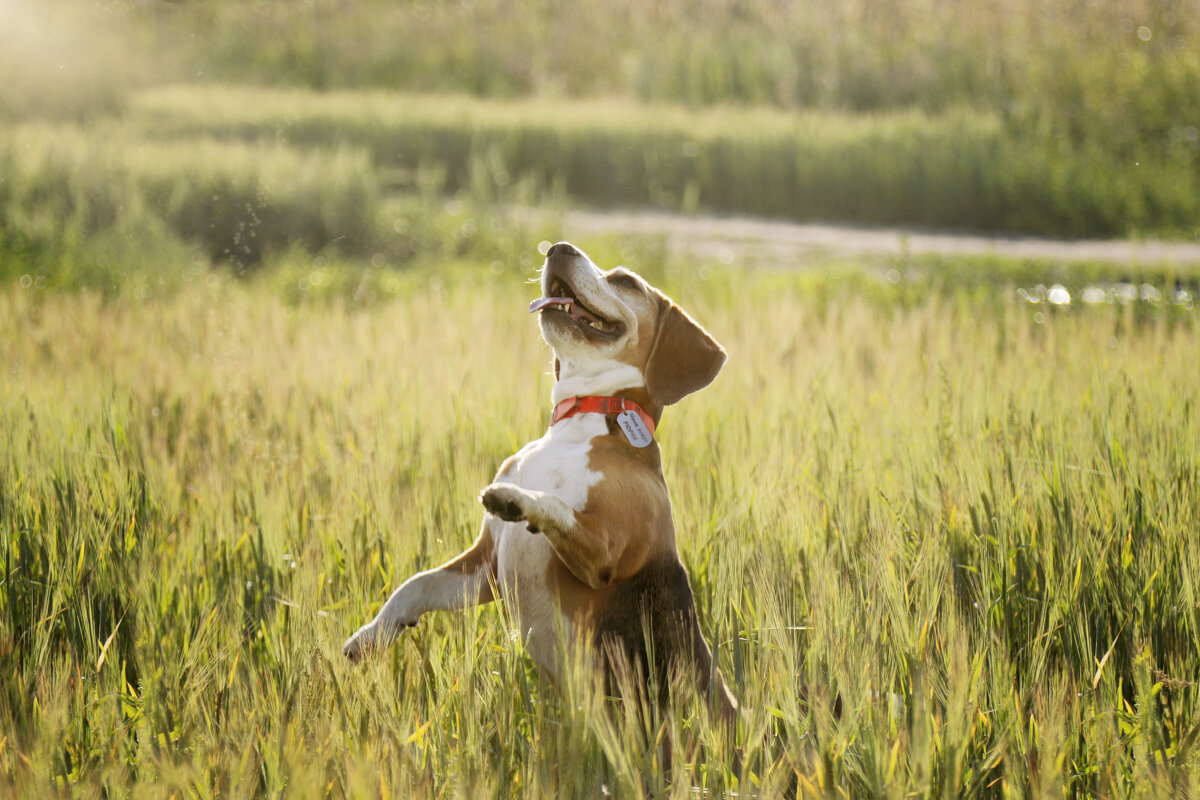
(556, 464)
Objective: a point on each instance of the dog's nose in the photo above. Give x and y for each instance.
(562, 249)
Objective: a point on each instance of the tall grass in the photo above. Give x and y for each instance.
(107, 208)
(1063, 64)
(241, 176)
(235, 201)
(1074, 119)
(941, 499)
(956, 169)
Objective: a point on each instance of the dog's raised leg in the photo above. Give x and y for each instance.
(463, 581)
(587, 552)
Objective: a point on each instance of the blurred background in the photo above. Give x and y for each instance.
(136, 134)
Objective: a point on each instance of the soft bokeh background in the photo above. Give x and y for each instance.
(264, 267)
(240, 130)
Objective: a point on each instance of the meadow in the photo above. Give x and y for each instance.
(261, 264)
(970, 518)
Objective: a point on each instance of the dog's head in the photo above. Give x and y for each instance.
(613, 330)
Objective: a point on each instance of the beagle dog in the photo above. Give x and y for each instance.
(577, 538)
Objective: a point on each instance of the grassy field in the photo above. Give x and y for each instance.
(982, 507)
(261, 264)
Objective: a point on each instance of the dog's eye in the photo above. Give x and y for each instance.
(626, 281)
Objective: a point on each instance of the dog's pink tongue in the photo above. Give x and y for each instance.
(542, 302)
(573, 308)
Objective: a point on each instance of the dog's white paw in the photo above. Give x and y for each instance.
(357, 645)
(375, 634)
(504, 501)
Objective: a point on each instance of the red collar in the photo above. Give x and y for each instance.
(609, 406)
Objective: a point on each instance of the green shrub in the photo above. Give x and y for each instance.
(107, 208)
(64, 188)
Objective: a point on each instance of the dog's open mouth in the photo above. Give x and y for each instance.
(562, 300)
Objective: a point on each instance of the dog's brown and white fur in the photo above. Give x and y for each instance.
(578, 536)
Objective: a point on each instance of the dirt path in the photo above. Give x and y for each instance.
(737, 238)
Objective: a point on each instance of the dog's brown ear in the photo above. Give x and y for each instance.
(684, 357)
(557, 369)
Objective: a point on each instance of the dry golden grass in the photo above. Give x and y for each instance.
(941, 504)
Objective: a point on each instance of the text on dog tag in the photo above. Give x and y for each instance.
(634, 429)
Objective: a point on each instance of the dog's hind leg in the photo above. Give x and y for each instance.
(463, 581)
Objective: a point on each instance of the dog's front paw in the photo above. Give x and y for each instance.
(378, 633)
(357, 645)
(504, 501)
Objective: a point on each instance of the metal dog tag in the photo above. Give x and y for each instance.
(634, 429)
